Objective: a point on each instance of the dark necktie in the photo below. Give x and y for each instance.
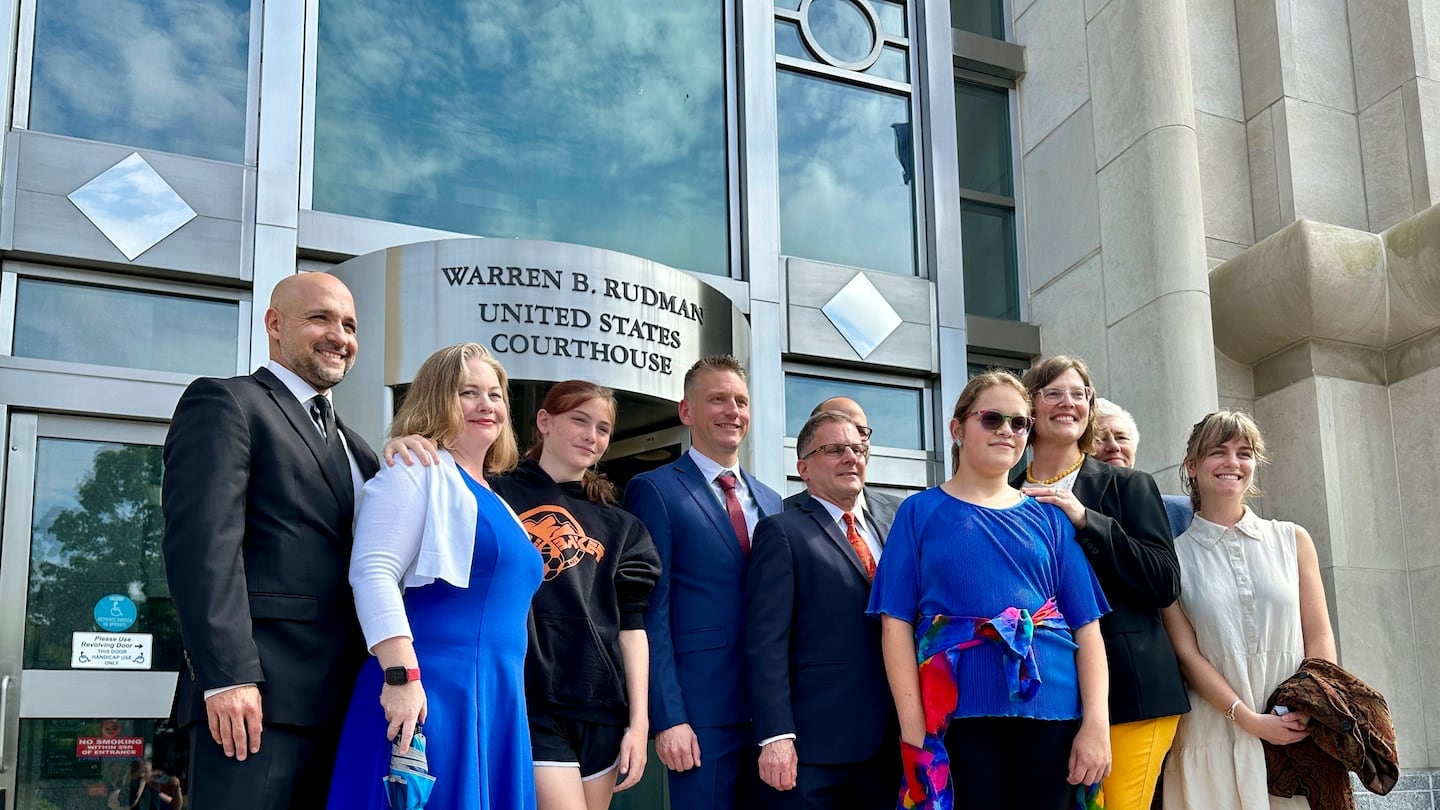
(324, 417)
(726, 480)
(862, 549)
(335, 457)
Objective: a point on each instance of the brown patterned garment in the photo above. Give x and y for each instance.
(1350, 730)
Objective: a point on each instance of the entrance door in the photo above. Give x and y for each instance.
(89, 643)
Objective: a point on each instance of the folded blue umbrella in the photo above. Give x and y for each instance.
(409, 782)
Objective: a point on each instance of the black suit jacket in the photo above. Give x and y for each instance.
(257, 551)
(1127, 540)
(812, 653)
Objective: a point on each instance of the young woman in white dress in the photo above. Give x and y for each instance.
(1251, 608)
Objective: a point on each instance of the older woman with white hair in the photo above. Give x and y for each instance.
(1117, 437)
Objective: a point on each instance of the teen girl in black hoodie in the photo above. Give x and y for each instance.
(587, 668)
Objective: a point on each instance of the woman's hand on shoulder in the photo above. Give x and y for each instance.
(404, 707)
(410, 449)
(1273, 728)
(1063, 498)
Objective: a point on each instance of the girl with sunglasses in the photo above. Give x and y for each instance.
(1252, 609)
(1119, 521)
(987, 590)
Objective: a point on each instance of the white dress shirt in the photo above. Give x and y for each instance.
(710, 468)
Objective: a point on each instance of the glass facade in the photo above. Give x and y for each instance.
(982, 120)
(168, 75)
(602, 124)
(143, 330)
(53, 776)
(641, 128)
(988, 242)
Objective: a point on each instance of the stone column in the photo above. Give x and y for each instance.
(1115, 229)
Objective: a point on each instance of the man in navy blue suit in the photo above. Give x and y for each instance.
(701, 511)
(824, 718)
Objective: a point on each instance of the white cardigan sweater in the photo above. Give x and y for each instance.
(413, 525)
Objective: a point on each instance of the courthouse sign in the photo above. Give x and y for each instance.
(547, 310)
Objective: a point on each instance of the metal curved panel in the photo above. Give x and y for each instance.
(548, 310)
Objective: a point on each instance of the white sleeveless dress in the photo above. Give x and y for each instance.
(1240, 589)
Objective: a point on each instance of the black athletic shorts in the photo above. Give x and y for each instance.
(560, 742)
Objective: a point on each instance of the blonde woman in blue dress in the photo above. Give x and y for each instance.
(1251, 608)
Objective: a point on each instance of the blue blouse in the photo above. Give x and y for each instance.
(945, 556)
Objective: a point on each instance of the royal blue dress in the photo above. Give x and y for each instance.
(470, 643)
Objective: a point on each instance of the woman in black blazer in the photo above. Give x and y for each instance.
(1120, 523)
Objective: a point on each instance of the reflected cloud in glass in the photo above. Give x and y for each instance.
(841, 29)
(843, 195)
(599, 123)
(168, 75)
(132, 205)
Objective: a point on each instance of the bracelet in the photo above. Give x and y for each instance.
(1230, 712)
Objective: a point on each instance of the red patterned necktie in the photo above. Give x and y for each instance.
(852, 533)
(726, 480)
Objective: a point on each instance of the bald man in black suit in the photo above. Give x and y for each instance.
(259, 496)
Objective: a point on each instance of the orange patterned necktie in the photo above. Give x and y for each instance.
(852, 533)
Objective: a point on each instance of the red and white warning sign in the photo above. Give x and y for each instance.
(109, 747)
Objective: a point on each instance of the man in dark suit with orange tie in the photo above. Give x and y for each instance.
(701, 511)
(259, 496)
(824, 718)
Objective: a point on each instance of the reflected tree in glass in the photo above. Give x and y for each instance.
(107, 541)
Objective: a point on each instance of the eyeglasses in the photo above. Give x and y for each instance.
(992, 420)
(1052, 396)
(864, 431)
(838, 450)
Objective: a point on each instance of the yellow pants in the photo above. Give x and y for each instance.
(1137, 750)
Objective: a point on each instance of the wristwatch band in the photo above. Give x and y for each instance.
(399, 676)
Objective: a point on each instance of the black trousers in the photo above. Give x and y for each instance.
(1011, 763)
(292, 769)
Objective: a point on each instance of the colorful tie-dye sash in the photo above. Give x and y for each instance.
(939, 640)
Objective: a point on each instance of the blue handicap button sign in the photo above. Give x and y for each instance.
(115, 613)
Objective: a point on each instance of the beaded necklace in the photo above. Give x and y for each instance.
(1048, 481)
